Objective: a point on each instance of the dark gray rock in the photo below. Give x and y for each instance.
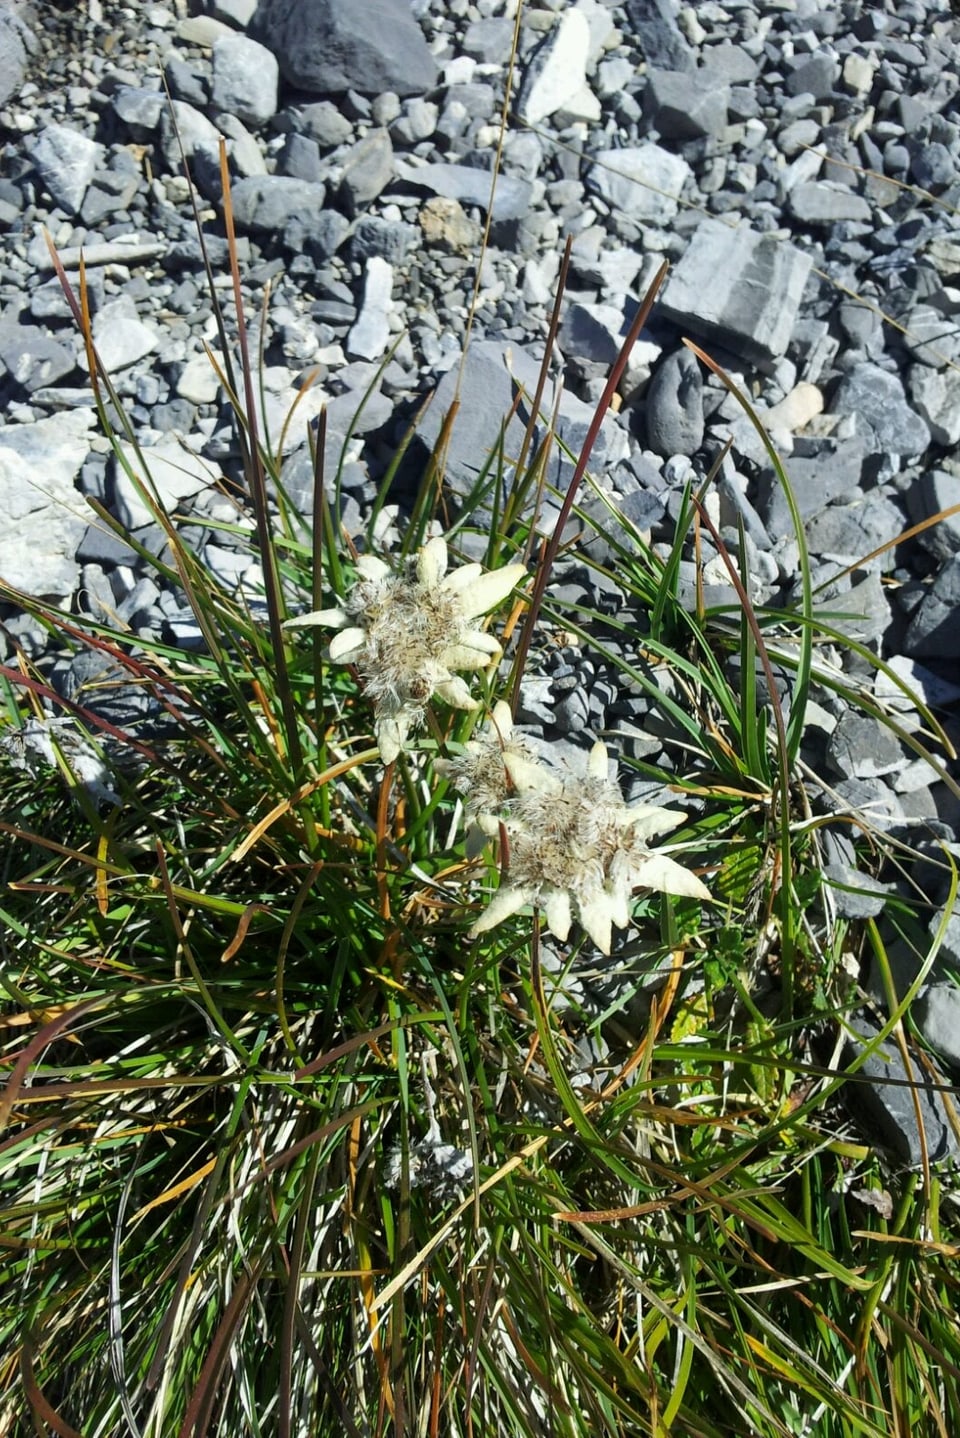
(392, 240)
(877, 399)
(673, 406)
(299, 158)
(321, 121)
(856, 530)
(34, 359)
(685, 104)
(488, 40)
(367, 170)
(654, 22)
(245, 80)
(935, 491)
(934, 630)
(885, 1099)
(863, 747)
(267, 203)
(855, 895)
(329, 46)
(814, 75)
(936, 1012)
(738, 287)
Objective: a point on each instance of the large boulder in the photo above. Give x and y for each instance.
(330, 46)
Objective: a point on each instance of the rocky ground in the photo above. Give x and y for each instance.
(797, 163)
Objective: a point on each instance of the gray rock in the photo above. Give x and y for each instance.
(13, 55)
(486, 398)
(876, 397)
(370, 335)
(329, 46)
(852, 531)
(932, 336)
(934, 630)
(321, 121)
(685, 104)
(121, 336)
(641, 181)
(299, 158)
(172, 472)
(863, 747)
(887, 1097)
(392, 240)
(738, 287)
(821, 202)
(34, 359)
(935, 394)
(268, 203)
(66, 161)
(469, 186)
(654, 22)
(934, 491)
(44, 515)
(933, 166)
(367, 170)
(594, 332)
(862, 611)
(855, 895)
(673, 406)
(814, 75)
(936, 1012)
(556, 71)
(246, 77)
(139, 108)
(488, 40)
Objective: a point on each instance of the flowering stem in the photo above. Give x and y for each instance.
(554, 542)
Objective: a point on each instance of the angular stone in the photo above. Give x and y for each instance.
(935, 394)
(934, 630)
(863, 747)
(887, 1097)
(330, 46)
(267, 203)
(655, 25)
(13, 55)
(876, 397)
(685, 105)
(641, 181)
(121, 336)
(469, 186)
(821, 202)
(738, 287)
(556, 71)
(370, 335)
(936, 1012)
(44, 514)
(935, 491)
(367, 170)
(172, 472)
(34, 359)
(67, 162)
(246, 77)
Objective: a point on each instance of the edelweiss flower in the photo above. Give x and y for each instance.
(572, 843)
(409, 634)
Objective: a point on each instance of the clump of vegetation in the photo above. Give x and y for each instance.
(310, 1126)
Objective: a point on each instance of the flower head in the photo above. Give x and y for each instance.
(411, 633)
(574, 845)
